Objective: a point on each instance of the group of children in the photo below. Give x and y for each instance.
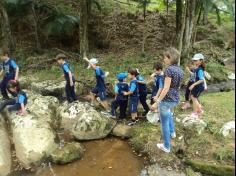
(125, 94)
(10, 84)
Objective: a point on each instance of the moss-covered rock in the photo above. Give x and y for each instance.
(68, 153)
(211, 168)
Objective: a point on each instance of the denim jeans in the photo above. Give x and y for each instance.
(167, 121)
(11, 105)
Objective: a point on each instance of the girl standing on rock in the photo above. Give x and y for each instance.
(199, 85)
(169, 97)
(17, 104)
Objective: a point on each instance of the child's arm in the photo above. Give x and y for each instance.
(201, 76)
(17, 73)
(22, 110)
(187, 68)
(92, 65)
(70, 77)
(131, 91)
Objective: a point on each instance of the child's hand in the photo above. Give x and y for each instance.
(125, 93)
(191, 87)
(21, 113)
(153, 107)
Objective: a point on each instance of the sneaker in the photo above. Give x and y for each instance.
(132, 122)
(186, 106)
(173, 135)
(163, 148)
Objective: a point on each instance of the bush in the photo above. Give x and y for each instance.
(218, 72)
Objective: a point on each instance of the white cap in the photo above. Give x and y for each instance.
(92, 61)
(198, 56)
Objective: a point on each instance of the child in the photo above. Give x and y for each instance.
(70, 80)
(121, 100)
(198, 86)
(17, 104)
(158, 77)
(134, 96)
(10, 70)
(142, 88)
(190, 70)
(100, 88)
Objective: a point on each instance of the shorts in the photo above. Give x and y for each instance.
(101, 94)
(197, 90)
(133, 104)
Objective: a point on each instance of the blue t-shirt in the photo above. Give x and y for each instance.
(134, 88)
(66, 70)
(100, 78)
(119, 89)
(9, 67)
(22, 98)
(199, 75)
(142, 88)
(158, 83)
(176, 74)
(192, 76)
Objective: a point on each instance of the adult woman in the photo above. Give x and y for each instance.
(169, 97)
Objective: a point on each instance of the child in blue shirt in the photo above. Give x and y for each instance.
(158, 78)
(69, 77)
(10, 71)
(100, 88)
(198, 86)
(121, 100)
(142, 88)
(134, 96)
(18, 103)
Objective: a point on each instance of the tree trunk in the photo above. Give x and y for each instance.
(180, 33)
(179, 15)
(206, 11)
(167, 6)
(35, 21)
(84, 44)
(6, 28)
(189, 25)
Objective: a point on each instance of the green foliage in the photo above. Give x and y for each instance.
(61, 26)
(218, 72)
(224, 154)
(18, 8)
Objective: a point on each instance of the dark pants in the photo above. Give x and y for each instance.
(10, 104)
(123, 107)
(70, 92)
(3, 86)
(143, 101)
(187, 91)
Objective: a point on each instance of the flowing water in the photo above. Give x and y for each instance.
(109, 157)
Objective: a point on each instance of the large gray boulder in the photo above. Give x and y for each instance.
(84, 122)
(33, 139)
(5, 153)
(33, 135)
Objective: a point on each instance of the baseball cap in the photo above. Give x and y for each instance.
(198, 56)
(121, 76)
(92, 61)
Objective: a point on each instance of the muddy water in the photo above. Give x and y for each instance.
(110, 157)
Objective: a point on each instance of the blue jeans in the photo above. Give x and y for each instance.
(167, 121)
(11, 105)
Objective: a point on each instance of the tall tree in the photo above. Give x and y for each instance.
(6, 28)
(84, 43)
